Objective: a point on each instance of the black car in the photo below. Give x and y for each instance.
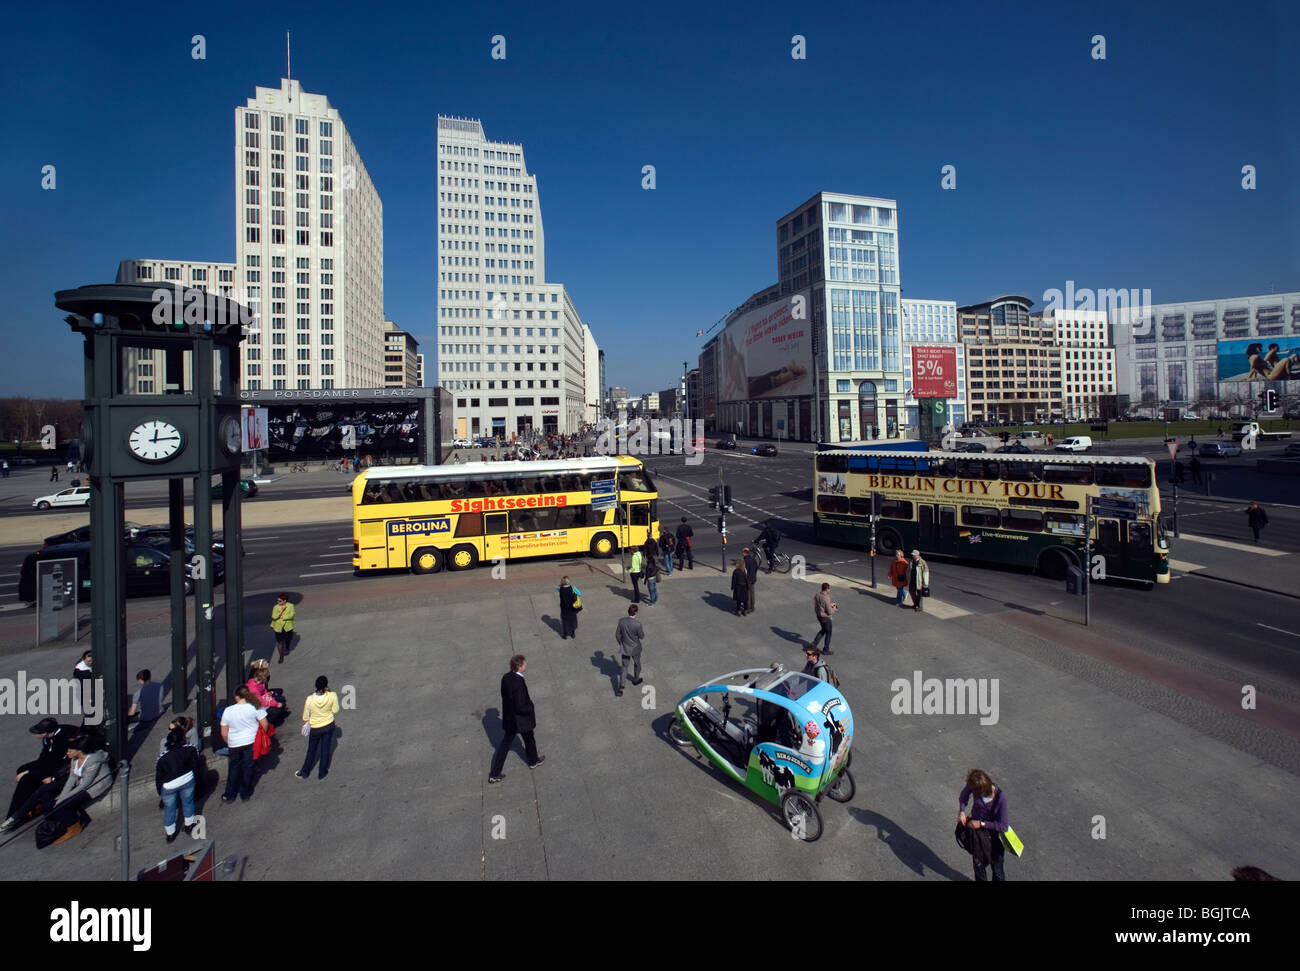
(726, 443)
(970, 447)
(763, 450)
(162, 533)
(148, 570)
(1015, 448)
(247, 488)
(82, 535)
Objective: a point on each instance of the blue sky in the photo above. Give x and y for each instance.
(1117, 173)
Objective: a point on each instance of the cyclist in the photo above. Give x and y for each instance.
(769, 539)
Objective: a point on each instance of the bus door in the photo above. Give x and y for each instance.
(372, 544)
(938, 528)
(496, 535)
(1139, 551)
(636, 523)
(1109, 544)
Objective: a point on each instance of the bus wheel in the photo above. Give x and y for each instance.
(462, 558)
(888, 541)
(427, 559)
(604, 544)
(1054, 564)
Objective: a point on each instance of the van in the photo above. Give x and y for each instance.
(1078, 443)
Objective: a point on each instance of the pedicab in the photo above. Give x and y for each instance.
(784, 734)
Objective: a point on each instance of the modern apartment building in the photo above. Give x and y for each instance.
(309, 230)
(1087, 362)
(932, 324)
(511, 346)
(1197, 354)
(1013, 364)
(401, 358)
(144, 370)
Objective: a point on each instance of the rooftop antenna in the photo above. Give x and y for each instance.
(288, 57)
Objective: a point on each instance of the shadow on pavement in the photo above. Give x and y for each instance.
(911, 852)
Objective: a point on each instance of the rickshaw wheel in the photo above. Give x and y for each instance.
(801, 815)
(678, 734)
(843, 788)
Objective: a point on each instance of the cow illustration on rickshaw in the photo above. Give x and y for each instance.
(784, 734)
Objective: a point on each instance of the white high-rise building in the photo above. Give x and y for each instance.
(309, 230)
(511, 346)
(932, 323)
(1087, 361)
(591, 375)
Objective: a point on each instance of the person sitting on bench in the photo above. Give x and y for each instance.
(90, 775)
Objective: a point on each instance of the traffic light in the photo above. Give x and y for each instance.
(726, 498)
(713, 497)
(1270, 400)
(722, 524)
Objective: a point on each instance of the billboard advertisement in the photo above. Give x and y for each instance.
(934, 372)
(1260, 360)
(257, 433)
(767, 353)
(384, 431)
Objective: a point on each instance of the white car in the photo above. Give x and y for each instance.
(462, 443)
(76, 496)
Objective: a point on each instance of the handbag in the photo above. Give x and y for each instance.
(306, 729)
(964, 839)
(925, 591)
(262, 742)
(577, 599)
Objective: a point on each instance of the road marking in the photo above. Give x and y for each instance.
(7, 576)
(1230, 545)
(1185, 566)
(323, 555)
(340, 546)
(14, 584)
(6, 607)
(1279, 630)
(332, 573)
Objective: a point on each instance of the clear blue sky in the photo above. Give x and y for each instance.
(1117, 173)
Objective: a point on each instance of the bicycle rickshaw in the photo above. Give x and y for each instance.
(784, 734)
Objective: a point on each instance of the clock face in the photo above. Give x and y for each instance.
(229, 435)
(155, 440)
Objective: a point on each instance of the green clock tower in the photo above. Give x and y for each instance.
(189, 430)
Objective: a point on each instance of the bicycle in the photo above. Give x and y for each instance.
(298, 467)
(780, 562)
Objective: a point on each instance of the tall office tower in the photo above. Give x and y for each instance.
(309, 230)
(510, 345)
(1087, 363)
(145, 370)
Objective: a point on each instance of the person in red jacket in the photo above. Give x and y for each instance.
(898, 577)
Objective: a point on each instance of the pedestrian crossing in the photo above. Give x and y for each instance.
(933, 607)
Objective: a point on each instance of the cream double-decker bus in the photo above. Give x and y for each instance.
(426, 518)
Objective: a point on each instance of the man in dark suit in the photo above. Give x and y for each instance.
(51, 765)
(517, 718)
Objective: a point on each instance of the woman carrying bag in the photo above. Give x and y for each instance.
(282, 623)
(986, 827)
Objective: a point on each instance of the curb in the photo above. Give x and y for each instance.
(1223, 500)
(1239, 583)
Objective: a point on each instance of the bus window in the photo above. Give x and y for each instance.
(1139, 541)
(836, 504)
(654, 510)
(476, 488)
(493, 487)
(635, 480)
(1020, 471)
(430, 490)
(640, 513)
(833, 462)
(551, 483)
(470, 524)
(526, 485)
(573, 483)
(529, 520)
(374, 494)
(977, 470)
(895, 509)
(944, 469)
(1107, 541)
(568, 517)
(495, 524)
(393, 490)
(411, 491)
(1025, 520)
(1127, 476)
(1068, 474)
(980, 516)
(1065, 524)
(860, 506)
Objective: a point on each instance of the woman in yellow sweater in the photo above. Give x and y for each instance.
(318, 712)
(282, 624)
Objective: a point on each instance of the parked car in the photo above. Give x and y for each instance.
(1076, 443)
(148, 570)
(1292, 449)
(763, 450)
(161, 533)
(21, 460)
(1031, 434)
(486, 441)
(1016, 448)
(247, 487)
(970, 447)
(1218, 450)
(727, 442)
(462, 443)
(76, 496)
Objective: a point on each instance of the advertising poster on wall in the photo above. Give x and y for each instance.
(1260, 360)
(934, 372)
(256, 429)
(767, 353)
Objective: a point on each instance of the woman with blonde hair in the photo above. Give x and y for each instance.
(272, 699)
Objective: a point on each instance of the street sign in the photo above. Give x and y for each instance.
(1173, 449)
(604, 494)
(1107, 513)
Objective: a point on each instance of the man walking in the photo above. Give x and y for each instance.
(1195, 466)
(751, 574)
(239, 725)
(629, 636)
(823, 608)
(685, 552)
(666, 545)
(898, 577)
(1256, 518)
(918, 580)
(740, 587)
(635, 574)
(517, 718)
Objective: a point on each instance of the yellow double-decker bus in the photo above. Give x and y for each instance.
(426, 518)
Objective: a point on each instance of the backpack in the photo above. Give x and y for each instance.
(60, 826)
(831, 677)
